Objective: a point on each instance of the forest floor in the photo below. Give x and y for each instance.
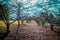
(31, 31)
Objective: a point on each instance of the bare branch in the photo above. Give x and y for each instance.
(4, 22)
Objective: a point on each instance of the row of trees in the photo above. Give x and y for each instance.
(43, 17)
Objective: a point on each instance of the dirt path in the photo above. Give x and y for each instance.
(32, 31)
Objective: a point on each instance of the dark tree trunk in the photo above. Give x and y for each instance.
(37, 21)
(7, 31)
(43, 24)
(22, 21)
(51, 27)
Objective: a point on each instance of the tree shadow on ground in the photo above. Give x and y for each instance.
(57, 31)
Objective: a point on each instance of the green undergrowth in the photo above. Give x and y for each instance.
(2, 28)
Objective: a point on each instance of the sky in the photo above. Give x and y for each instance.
(33, 7)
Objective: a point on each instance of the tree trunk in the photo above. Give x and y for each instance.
(7, 31)
(22, 21)
(51, 27)
(43, 24)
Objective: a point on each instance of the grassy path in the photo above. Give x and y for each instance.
(32, 31)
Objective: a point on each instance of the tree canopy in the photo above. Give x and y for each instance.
(32, 7)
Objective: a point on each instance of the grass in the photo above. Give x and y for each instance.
(16, 22)
(2, 28)
(2, 24)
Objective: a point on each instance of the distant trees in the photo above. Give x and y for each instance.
(57, 20)
(44, 17)
(47, 16)
(51, 20)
